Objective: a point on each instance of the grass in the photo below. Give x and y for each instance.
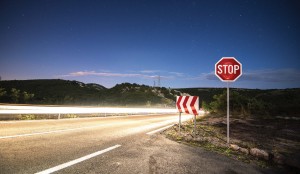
(27, 117)
(208, 133)
(70, 116)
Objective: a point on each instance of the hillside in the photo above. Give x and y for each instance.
(279, 102)
(134, 94)
(53, 91)
(73, 92)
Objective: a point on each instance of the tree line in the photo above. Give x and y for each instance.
(243, 102)
(261, 103)
(15, 96)
(66, 92)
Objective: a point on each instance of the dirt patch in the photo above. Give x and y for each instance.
(266, 142)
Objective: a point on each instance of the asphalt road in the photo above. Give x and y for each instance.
(105, 145)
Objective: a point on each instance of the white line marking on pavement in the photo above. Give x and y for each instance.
(158, 130)
(48, 132)
(74, 119)
(74, 129)
(70, 163)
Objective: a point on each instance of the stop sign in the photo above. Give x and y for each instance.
(228, 69)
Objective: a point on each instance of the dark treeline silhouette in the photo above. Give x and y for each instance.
(73, 92)
(243, 102)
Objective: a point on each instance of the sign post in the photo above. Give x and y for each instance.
(227, 112)
(195, 125)
(228, 69)
(189, 105)
(179, 121)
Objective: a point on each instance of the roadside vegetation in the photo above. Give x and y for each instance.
(264, 126)
(249, 102)
(64, 92)
(243, 102)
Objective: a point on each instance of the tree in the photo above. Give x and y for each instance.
(219, 103)
(3, 95)
(2, 92)
(238, 103)
(15, 95)
(25, 97)
(206, 106)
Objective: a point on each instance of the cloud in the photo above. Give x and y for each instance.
(110, 74)
(167, 74)
(150, 71)
(266, 75)
(271, 75)
(178, 74)
(205, 76)
(79, 73)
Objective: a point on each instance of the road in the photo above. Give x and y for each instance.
(128, 144)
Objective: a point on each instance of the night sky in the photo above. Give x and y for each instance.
(110, 42)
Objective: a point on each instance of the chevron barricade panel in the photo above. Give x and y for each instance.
(188, 104)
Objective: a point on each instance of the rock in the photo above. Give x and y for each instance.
(199, 139)
(244, 150)
(202, 139)
(223, 145)
(188, 137)
(259, 153)
(176, 128)
(234, 147)
(208, 139)
(279, 159)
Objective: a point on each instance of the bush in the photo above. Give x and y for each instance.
(27, 117)
(70, 116)
(239, 105)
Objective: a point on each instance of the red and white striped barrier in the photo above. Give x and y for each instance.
(188, 104)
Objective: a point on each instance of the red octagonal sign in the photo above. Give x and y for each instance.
(228, 69)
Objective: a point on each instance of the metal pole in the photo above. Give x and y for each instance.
(59, 116)
(179, 121)
(227, 112)
(195, 125)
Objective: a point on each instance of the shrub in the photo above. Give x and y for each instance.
(27, 117)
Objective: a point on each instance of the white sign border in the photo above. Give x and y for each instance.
(229, 80)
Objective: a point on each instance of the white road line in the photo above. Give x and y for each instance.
(70, 163)
(74, 119)
(80, 128)
(48, 132)
(158, 130)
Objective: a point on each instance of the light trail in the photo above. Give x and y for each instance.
(14, 109)
(31, 109)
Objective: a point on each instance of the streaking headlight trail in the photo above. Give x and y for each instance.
(15, 109)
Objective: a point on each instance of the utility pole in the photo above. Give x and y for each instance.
(158, 81)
